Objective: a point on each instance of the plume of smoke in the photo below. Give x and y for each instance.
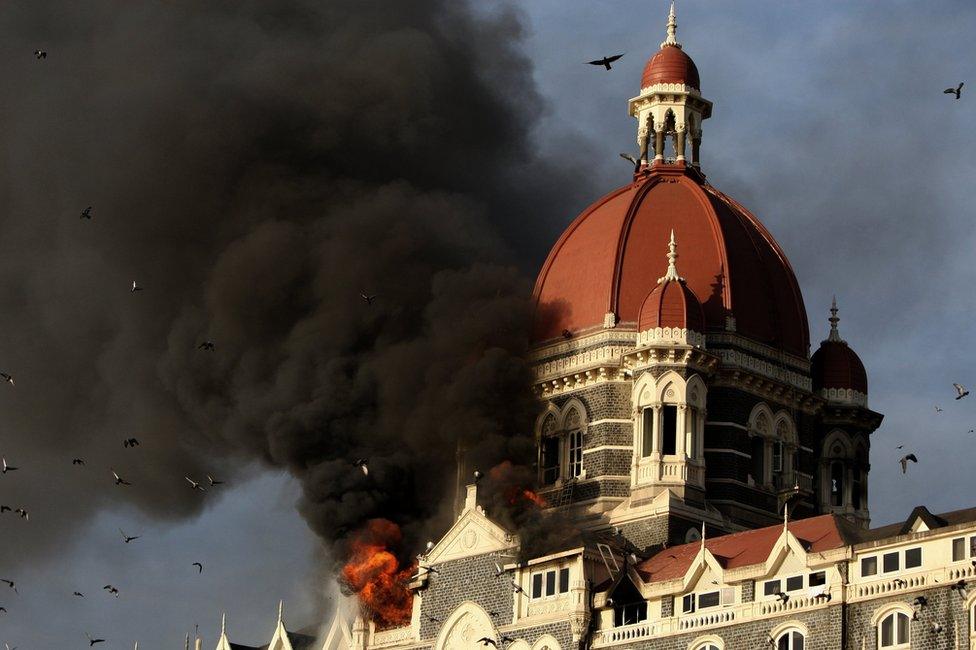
(256, 166)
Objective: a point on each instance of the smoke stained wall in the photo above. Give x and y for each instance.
(256, 167)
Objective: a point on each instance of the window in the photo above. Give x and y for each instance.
(688, 604)
(791, 640)
(894, 632)
(550, 460)
(575, 453)
(818, 578)
(630, 613)
(913, 558)
(669, 430)
(758, 460)
(777, 456)
(794, 584)
(647, 445)
(710, 599)
(544, 583)
(869, 566)
(836, 484)
(771, 588)
(889, 562)
(958, 549)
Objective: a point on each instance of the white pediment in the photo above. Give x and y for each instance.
(472, 534)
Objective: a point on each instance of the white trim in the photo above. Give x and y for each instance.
(611, 447)
(612, 421)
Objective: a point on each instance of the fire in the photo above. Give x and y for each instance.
(373, 572)
(529, 495)
(511, 481)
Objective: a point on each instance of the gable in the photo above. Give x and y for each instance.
(472, 534)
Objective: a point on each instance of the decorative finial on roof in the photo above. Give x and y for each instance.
(223, 622)
(786, 516)
(672, 38)
(703, 536)
(834, 334)
(672, 274)
(281, 605)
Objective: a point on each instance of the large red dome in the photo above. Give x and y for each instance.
(609, 259)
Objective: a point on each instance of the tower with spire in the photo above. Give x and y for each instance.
(670, 104)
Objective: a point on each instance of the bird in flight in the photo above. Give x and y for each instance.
(112, 590)
(4, 509)
(5, 644)
(40, 54)
(960, 587)
(900, 447)
(6, 467)
(7, 378)
(213, 481)
(130, 442)
(119, 480)
(79, 594)
(199, 567)
(782, 596)
(606, 61)
(485, 641)
(369, 298)
(23, 513)
(92, 641)
(128, 538)
(960, 391)
(135, 287)
(77, 461)
(938, 409)
(11, 584)
(86, 213)
(904, 462)
(209, 346)
(194, 485)
(361, 463)
(634, 160)
(957, 91)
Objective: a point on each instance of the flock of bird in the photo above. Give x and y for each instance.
(961, 392)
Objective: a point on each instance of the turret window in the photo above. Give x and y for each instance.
(647, 441)
(669, 430)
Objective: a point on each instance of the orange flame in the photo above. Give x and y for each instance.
(375, 575)
(529, 495)
(511, 481)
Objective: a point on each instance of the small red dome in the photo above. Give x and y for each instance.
(670, 65)
(836, 365)
(671, 304)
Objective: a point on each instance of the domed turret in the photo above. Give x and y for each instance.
(670, 64)
(835, 367)
(672, 304)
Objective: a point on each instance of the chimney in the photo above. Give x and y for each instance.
(471, 499)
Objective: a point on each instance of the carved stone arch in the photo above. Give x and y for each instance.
(761, 420)
(548, 421)
(707, 641)
(838, 445)
(784, 428)
(546, 642)
(519, 644)
(789, 626)
(696, 391)
(573, 415)
(670, 388)
(462, 629)
(644, 391)
(884, 610)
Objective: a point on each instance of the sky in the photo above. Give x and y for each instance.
(829, 123)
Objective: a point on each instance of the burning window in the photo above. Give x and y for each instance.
(550, 460)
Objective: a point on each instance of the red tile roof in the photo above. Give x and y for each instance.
(747, 548)
(670, 64)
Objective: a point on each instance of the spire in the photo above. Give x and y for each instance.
(223, 622)
(672, 38)
(281, 605)
(672, 274)
(703, 537)
(786, 516)
(834, 334)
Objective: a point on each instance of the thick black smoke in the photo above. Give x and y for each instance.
(256, 167)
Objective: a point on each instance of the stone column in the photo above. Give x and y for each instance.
(659, 144)
(643, 142)
(681, 444)
(679, 144)
(696, 150)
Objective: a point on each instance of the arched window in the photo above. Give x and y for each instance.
(758, 465)
(860, 480)
(707, 646)
(549, 450)
(790, 640)
(574, 444)
(894, 631)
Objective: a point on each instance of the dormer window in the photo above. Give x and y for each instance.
(629, 606)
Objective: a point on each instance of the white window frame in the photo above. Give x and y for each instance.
(574, 453)
(788, 634)
(543, 595)
(905, 644)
